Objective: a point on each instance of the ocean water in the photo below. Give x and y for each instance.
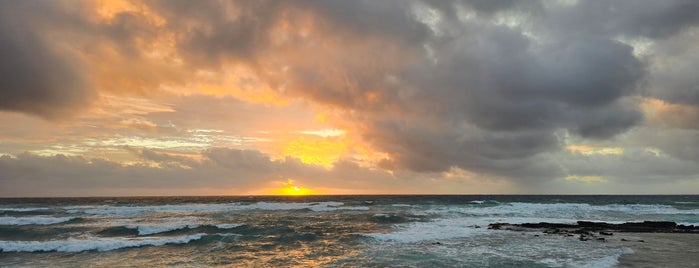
(317, 231)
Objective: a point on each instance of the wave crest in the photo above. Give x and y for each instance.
(98, 244)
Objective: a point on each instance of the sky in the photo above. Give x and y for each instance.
(179, 97)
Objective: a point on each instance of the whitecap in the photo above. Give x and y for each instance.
(603, 262)
(576, 211)
(440, 229)
(98, 244)
(228, 225)
(33, 220)
(156, 229)
(22, 209)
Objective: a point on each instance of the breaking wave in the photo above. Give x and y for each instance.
(151, 229)
(33, 220)
(97, 244)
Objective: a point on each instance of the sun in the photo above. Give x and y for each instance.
(289, 188)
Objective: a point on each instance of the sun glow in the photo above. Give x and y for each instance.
(322, 152)
(289, 188)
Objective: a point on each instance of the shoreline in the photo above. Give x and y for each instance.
(654, 244)
(658, 249)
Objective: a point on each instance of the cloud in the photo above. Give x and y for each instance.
(634, 166)
(37, 77)
(220, 168)
(495, 88)
(673, 62)
(228, 170)
(491, 99)
(650, 19)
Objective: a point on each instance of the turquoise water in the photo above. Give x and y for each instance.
(328, 231)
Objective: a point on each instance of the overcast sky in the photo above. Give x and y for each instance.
(182, 97)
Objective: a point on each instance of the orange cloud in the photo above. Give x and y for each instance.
(322, 152)
(661, 113)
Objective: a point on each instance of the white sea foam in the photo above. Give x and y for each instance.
(107, 210)
(449, 228)
(440, 229)
(33, 220)
(98, 244)
(603, 262)
(156, 229)
(149, 229)
(576, 211)
(228, 225)
(227, 234)
(196, 208)
(22, 209)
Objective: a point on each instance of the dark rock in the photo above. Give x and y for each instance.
(582, 231)
(624, 240)
(495, 226)
(593, 225)
(601, 239)
(647, 226)
(586, 227)
(547, 225)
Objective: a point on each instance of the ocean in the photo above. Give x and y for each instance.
(318, 231)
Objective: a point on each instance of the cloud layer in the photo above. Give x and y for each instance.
(498, 90)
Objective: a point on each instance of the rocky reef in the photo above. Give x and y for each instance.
(588, 230)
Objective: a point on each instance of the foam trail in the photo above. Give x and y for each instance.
(604, 262)
(33, 220)
(99, 244)
(22, 209)
(227, 225)
(426, 231)
(156, 229)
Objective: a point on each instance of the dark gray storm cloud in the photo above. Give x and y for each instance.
(36, 76)
(674, 62)
(633, 165)
(54, 55)
(491, 99)
(652, 19)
